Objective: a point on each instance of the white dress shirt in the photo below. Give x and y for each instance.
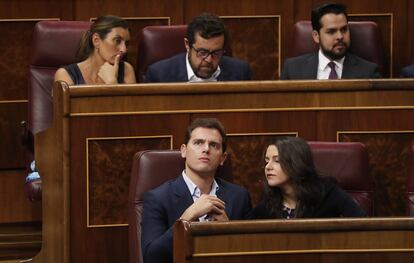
(196, 192)
(324, 69)
(193, 77)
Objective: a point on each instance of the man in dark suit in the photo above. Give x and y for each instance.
(196, 195)
(407, 72)
(332, 61)
(205, 40)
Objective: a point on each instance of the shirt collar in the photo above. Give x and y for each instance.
(324, 61)
(194, 190)
(193, 77)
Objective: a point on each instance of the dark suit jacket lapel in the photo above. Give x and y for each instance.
(350, 65)
(310, 67)
(224, 195)
(224, 73)
(182, 195)
(182, 68)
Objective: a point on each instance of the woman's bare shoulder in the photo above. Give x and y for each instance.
(62, 75)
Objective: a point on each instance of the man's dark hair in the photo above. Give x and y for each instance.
(327, 8)
(211, 123)
(208, 26)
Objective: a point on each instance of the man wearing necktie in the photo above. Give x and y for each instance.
(332, 74)
(332, 61)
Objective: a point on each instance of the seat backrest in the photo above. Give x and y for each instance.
(54, 44)
(157, 43)
(149, 170)
(410, 183)
(348, 163)
(366, 41)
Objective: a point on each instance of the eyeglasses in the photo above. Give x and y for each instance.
(204, 53)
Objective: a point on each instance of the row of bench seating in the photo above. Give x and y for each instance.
(348, 162)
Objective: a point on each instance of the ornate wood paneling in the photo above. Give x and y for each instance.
(100, 178)
(36, 9)
(388, 155)
(408, 39)
(14, 58)
(138, 8)
(13, 153)
(387, 134)
(315, 110)
(109, 163)
(136, 25)
(263, 54)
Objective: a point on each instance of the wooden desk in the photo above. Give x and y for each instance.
(309, 240)
(85, 158)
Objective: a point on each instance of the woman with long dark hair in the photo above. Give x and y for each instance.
(100, 54)
(294, 189)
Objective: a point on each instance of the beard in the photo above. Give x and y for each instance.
(335, 55)
(203, 70)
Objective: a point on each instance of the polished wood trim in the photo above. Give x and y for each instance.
(337, 237)
(259, 96)
(140, 18)
(339, 133)
(238, 110)
(302, 225)
(371, 14)
(54, 165)
(13, 101)
(262, 133)
(29, 19)
(303, 251)
(248, 87)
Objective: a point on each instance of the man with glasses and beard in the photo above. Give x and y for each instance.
(205, 59)
(332, 61)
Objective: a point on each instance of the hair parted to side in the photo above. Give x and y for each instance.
(208, 26)
(296, 160)
(102, 26)
(326, 8)
(295, 157)
(211, 123)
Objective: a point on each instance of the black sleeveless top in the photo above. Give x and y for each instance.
(76, 75)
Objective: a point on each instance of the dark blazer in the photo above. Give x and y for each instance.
(174, 70)
(306, 67)
(165, 204)
(335, 203)
(407, 72)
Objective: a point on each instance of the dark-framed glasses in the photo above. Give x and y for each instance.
(204, 53)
